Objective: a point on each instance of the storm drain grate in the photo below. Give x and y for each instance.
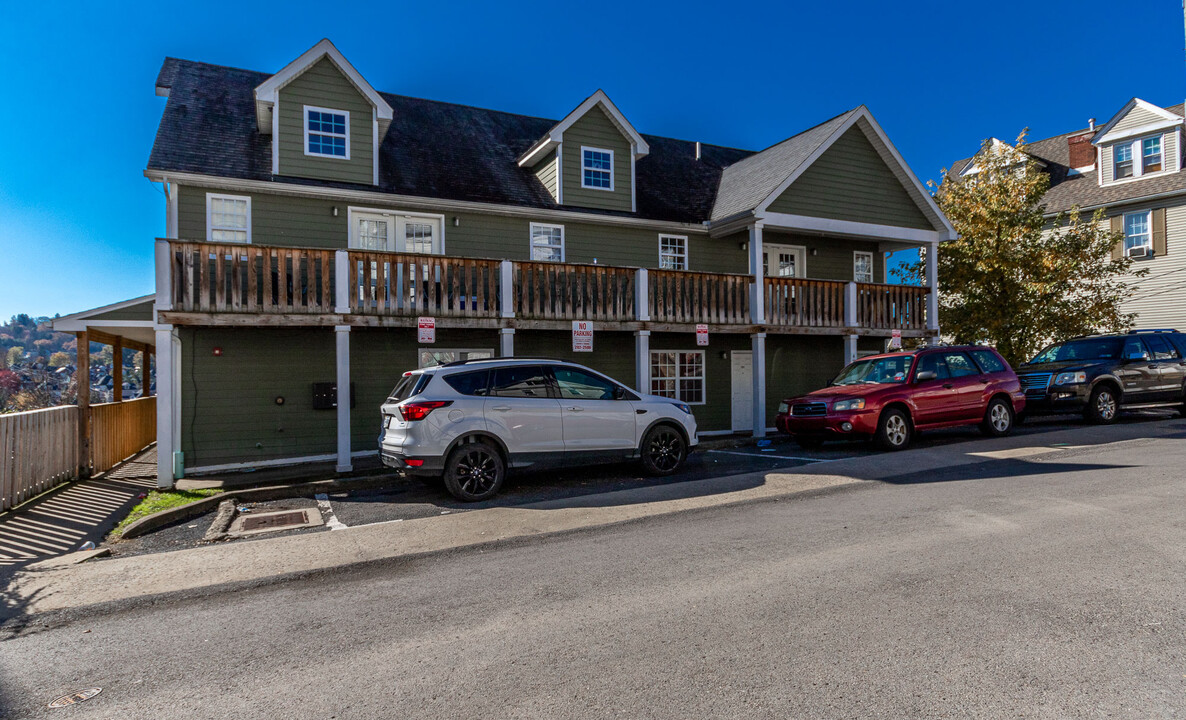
(275, 521)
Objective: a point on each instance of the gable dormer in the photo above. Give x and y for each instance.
(325, 119)
(1142, 140)
(587, 159)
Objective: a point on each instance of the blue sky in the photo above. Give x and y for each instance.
(78, 113)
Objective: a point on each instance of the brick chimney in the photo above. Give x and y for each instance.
(1081, 150)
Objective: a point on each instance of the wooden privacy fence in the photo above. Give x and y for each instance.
(888, 307)
(808, 303)
(556, 291)
(698, 297)
(252, 278)
(397, 284)
(38, 450)
(120, 430)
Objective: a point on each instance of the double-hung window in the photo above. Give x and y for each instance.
(327, 132)
(678, 375)
(673, 252)
(228, 218)
(547, 242)
(597, 168)
(1151, 155)
(862, 267)
(1122, 158)
(1137, 232)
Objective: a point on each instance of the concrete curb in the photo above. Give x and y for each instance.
(276, 492)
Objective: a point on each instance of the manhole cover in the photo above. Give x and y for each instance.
(75, 697)
(272, 521)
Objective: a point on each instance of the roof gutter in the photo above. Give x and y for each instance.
(1127, 201)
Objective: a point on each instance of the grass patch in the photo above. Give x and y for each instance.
(158, 500)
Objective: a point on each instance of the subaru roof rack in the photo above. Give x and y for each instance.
(1152, 330)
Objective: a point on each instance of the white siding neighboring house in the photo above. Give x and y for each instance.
(1131, 166)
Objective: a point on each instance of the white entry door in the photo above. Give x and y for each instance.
(742, 374)
(395, 232)
(785, 260)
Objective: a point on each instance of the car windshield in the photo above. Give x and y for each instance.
(877, 371)
(1085, 349)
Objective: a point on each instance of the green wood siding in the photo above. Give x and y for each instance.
(595, 129)
(139, 311)
(546, 172)
(323, 85)
(834, 256)
(850, 181)
(797, 365)
(228, 403)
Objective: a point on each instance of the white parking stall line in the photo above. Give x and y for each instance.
(776, 457)
(331, 521)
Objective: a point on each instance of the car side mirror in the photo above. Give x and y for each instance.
(922, 375)
(619, 393)
(1138, 356)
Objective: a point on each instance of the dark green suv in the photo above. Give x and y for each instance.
(1098, 375)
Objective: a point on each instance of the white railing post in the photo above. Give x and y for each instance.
(163, 257)
(932, 253)
(506, 342)
(757, 266)
(342, 282)
(850, 304)
(642, 300)
(342, 346)
(506, 290)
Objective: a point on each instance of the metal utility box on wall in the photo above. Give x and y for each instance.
(325, 396)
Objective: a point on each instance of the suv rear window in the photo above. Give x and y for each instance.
(469, 383)
(409, 386)
(987, 361)
(1160, 347)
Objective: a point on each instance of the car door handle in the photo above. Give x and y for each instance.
(1152, 367)
(640, 412)
(501, 408)
(576, 409)
(948, 386)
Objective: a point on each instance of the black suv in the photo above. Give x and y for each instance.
(1098, 375)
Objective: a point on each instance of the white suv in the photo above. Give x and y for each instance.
(472, 420)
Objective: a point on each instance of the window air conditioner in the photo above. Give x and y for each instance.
(1139, 252)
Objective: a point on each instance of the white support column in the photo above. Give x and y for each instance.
(932, 258)
(642, 293)
(342, 282)
(850, 349)
(757, 266)
(506, 295)
(163, 260)
(506, 342)
(342, 338)
(758, 344)
(850, 304)
(642, 361)
(165, 412)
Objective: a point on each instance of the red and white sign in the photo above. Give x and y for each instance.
(701, 334)
(427, 328)
(895, 340)
(582, 336)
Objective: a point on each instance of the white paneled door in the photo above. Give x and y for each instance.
(396, 232)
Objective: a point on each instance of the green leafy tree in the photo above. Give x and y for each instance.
(13, 357)
(60, 359)
(1012, 278)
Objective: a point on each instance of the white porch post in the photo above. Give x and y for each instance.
(506, 342)
(757, 266)
(642, 360)
(758, 344)
(642, 295)
(342, 282)
(166, 413)
(506, 295)
(932, 253)
(342, 338)
(850, 320)
(850, 349)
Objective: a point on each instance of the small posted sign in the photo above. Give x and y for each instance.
(701, 334)
(582, 336)
(427, 330)
(895, 340)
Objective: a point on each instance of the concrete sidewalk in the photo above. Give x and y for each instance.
(62, 519)
(49, 586)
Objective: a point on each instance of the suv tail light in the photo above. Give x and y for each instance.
(420, 410)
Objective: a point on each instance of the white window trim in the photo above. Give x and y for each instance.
(872, 276)
(352, 230)
(684, 254)
(1148, 224)
(314, 108)
(703, 378)
(421, 350)
(210, 215)
(803, 254)
(1137, 145)
(531, 241)
(611, 168)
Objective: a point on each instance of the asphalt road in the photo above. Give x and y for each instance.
(1049, 586)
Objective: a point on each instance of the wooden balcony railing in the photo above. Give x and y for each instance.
(695, 297)
(808, 303)
(395, 284)
(891, 307)
(120, 430)
(252, 279)
(564, 291)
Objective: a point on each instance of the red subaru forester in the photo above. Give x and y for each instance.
(891, 396)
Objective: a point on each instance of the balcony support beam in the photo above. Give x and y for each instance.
(642, 301)
(932, 271)
(82, 379)
(506, 289)
(642, 360)
(850, 349)
(758, 344)
(168, 410)
(757, 266)
(506, 342)
(342, 345)
(342, 282)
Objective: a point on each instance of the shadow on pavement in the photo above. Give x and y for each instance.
(991, 468)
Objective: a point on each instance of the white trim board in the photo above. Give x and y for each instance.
(850, 227)
(83, 315)
(639, 147)
(1170, 119)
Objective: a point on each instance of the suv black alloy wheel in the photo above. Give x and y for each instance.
(663, 450)
(474, 472)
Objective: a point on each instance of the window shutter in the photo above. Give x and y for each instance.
(1159, 244)
(1118, 227)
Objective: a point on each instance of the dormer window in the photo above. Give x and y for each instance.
(597, 168)
(1123, 160)
(1151, 155)
(327, 132)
